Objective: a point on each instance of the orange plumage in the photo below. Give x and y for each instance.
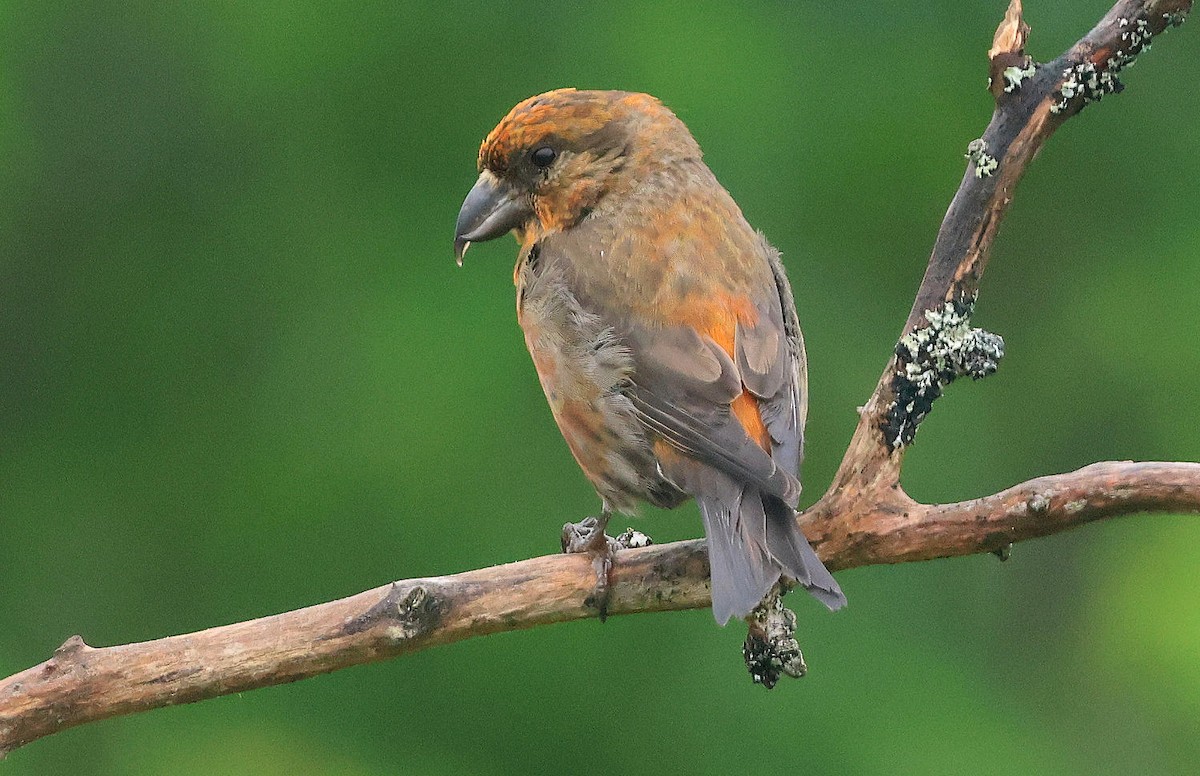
(661, 325)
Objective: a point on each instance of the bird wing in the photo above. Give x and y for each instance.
(684, 388)
(777, 372)
(711, 382)
(713, 406)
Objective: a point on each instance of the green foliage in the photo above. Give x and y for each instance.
(241, 374)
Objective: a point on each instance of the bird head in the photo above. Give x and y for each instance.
(555, 156)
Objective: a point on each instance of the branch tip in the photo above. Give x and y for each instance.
(1008, 63)
(1011, 34)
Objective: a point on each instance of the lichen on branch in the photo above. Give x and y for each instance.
(931, 357)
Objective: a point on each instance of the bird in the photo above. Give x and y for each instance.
(662, 327)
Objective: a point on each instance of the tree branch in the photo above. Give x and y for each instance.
(864, 518)
(81, 684)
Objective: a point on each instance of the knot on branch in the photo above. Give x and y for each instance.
(66, 657)
(71, 647)
(930, 358)
(771, 649)
(404, 613)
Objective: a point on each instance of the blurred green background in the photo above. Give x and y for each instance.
(240, 374)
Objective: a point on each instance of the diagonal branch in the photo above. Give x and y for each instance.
(1032, 101)
(864, 518)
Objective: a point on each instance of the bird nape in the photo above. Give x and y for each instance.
(662, 327)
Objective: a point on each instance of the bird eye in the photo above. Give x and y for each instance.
(543, 157)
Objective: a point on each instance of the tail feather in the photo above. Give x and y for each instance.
(752, 540)
(788, 545)
(740, 568)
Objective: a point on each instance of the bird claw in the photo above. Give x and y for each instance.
(588, 536)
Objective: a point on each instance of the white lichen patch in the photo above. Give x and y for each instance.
(1039, 504)
(1091, 83)
(633, 539)
(1073, 507)
(985, 164)
(1086, 81)
(1013, 76)
(1138, 33)
(944, 344)
(397, 633)
(931, 357)
(1119, 61)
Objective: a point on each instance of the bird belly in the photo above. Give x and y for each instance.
(584, 371)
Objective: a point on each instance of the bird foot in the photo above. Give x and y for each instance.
(588, 536)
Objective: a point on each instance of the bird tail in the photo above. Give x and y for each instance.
(753, 539)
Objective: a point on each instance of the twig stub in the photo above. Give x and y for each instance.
(771, 650)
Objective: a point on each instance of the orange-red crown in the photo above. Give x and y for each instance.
(568, 115)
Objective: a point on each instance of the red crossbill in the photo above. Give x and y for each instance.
(661, 324)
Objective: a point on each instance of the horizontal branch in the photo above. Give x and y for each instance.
(81, 684)
(910, 531)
